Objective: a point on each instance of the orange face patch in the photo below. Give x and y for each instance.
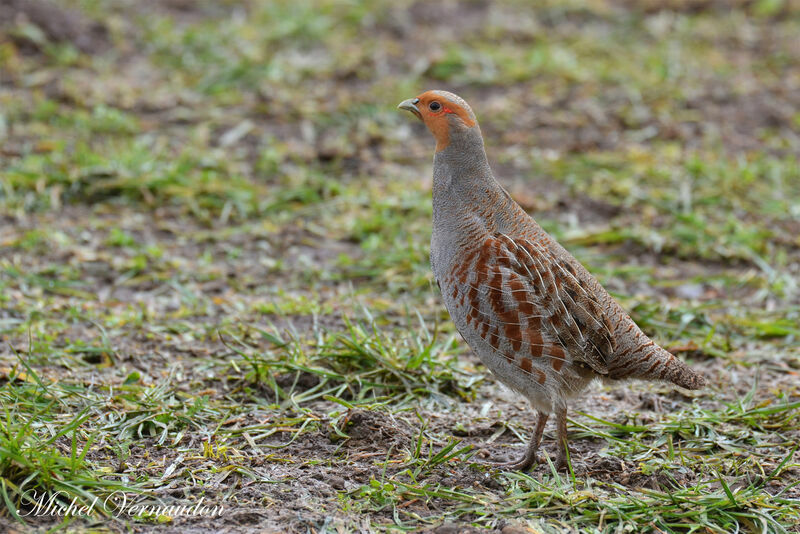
(434, 110)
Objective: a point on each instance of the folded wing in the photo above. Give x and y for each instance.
(528, 303)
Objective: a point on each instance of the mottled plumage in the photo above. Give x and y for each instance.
(530, 311)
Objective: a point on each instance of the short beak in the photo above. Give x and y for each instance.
(411, 105)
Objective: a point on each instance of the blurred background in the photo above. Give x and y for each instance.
(667, 128)
(173, 169)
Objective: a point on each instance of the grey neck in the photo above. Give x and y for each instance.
(462, 185)
(462, 163)
(460, 170)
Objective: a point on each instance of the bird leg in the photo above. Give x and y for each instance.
(530, 458)
(561, 438)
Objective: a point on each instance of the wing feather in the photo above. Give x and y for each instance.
(526, 299)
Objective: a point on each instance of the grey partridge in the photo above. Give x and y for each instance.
(530, 311)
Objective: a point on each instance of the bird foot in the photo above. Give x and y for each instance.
(561, 463)
(561, 459)
(527, 461)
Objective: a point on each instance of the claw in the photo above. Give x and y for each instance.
(523, 464)
(530, 458)
(561, 463)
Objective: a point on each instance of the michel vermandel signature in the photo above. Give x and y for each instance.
(58, 504)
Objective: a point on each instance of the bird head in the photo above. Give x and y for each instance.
(446, 115)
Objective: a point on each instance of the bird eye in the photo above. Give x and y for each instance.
(435, 106)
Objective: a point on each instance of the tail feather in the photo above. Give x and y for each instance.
(682, 375)
(654, 363)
